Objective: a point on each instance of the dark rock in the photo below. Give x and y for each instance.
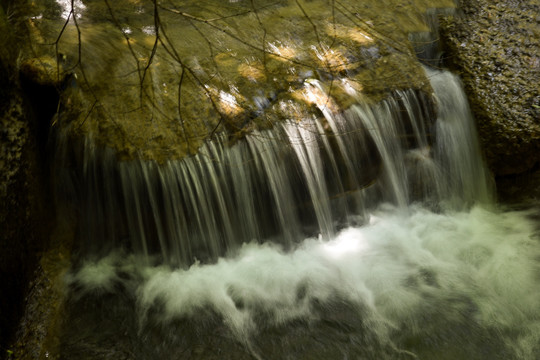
(23, 187)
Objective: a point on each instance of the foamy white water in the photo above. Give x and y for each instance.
(395, 271)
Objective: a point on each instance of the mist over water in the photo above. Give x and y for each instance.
(452, 281)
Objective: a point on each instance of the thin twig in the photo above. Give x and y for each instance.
(180, 107)
(172, 51)
(131, 50)
(235, 37)
(157, 25)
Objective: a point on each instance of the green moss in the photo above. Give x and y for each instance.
(161, 99)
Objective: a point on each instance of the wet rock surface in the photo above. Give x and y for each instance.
(26, 206)
(23, 219)
(101, 326)
(495, 46)
(521, 190)
(158, 89)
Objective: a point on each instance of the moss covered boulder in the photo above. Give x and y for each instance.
(495, 46)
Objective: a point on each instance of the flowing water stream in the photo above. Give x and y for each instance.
(369, 231)
(412, 261)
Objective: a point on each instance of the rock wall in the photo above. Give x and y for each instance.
(495, 47)
(23, 205)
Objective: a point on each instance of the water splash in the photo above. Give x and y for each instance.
(454, 282)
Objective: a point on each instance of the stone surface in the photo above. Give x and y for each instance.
(495, 46)
(44, 71)
(24, 209)
(158, 93)
(521, 190)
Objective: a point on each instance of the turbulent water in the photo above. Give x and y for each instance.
(308, 252)
(410, 284)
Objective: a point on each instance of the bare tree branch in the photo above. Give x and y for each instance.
(131, 50)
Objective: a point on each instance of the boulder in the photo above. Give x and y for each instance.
(495, 47)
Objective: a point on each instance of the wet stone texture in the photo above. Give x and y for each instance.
(495, 47)
(21, 204)
(26, 208)
(102, 326)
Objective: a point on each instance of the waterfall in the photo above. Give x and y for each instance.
(321, 219)
(369, 232)
(304, 177)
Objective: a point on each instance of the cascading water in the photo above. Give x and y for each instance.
(369, 233)
(355, 229)
(302, 178)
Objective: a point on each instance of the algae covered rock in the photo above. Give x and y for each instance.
(23, 221)
(495, 45)
(156, 82)
(44, 71)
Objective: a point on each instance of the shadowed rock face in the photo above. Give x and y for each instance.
(495, 46)
(23, 185)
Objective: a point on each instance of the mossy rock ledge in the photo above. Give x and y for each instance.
(158, 93)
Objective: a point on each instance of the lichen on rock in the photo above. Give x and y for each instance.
(495, 46)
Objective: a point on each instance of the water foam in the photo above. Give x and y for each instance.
(476, 269)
